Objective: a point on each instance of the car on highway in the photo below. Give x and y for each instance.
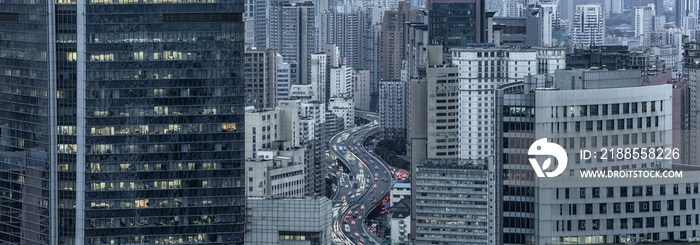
(376, 167)
(345, 220)
(364, 160)
(374, 186)
(371, 198)
(376, 179)
(357, 234)
(384, 179)
(363, 207)
(357, 213)
(352, 223)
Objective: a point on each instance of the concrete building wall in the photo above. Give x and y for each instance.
(361, 86)
(261, 77)
(288, 221)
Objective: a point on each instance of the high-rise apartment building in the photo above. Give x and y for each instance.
(691, 73)
(264, 127)
(260, 77)
(416, 42)
(433, 130)
(513, 8)
(343, 30)
(341, 82)
(106, 113)
(313, 134)
(644, 20)
(589, 110)
(256, 22)
(360, 85)
(392, 111)
(320, 77)
(549, 18)
(286, 77)
(371, 24)
(293, 35)
(686, 8)
(588, 26)
(344, 110)
(481, 70)
(392, 39)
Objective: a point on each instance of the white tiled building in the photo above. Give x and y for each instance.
(480, 71)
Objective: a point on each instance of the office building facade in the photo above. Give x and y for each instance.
(456, 23)
(588, 114)
(453, 202)
(103, 135)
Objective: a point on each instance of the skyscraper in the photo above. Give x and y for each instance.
(392, 39)
(582, 110)
(644, 20)
(343, 30)
(456, 23)
(483, 69)
(588, 26)
(433, 129)
(121, 123)
(392, 111)
(691, 73)
(293, 35)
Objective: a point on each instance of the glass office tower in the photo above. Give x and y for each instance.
(122, 122)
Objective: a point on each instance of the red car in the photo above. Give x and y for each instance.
(364, 160)
(352, 223)
(357, 235)
(376, 167)
(374, 186)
